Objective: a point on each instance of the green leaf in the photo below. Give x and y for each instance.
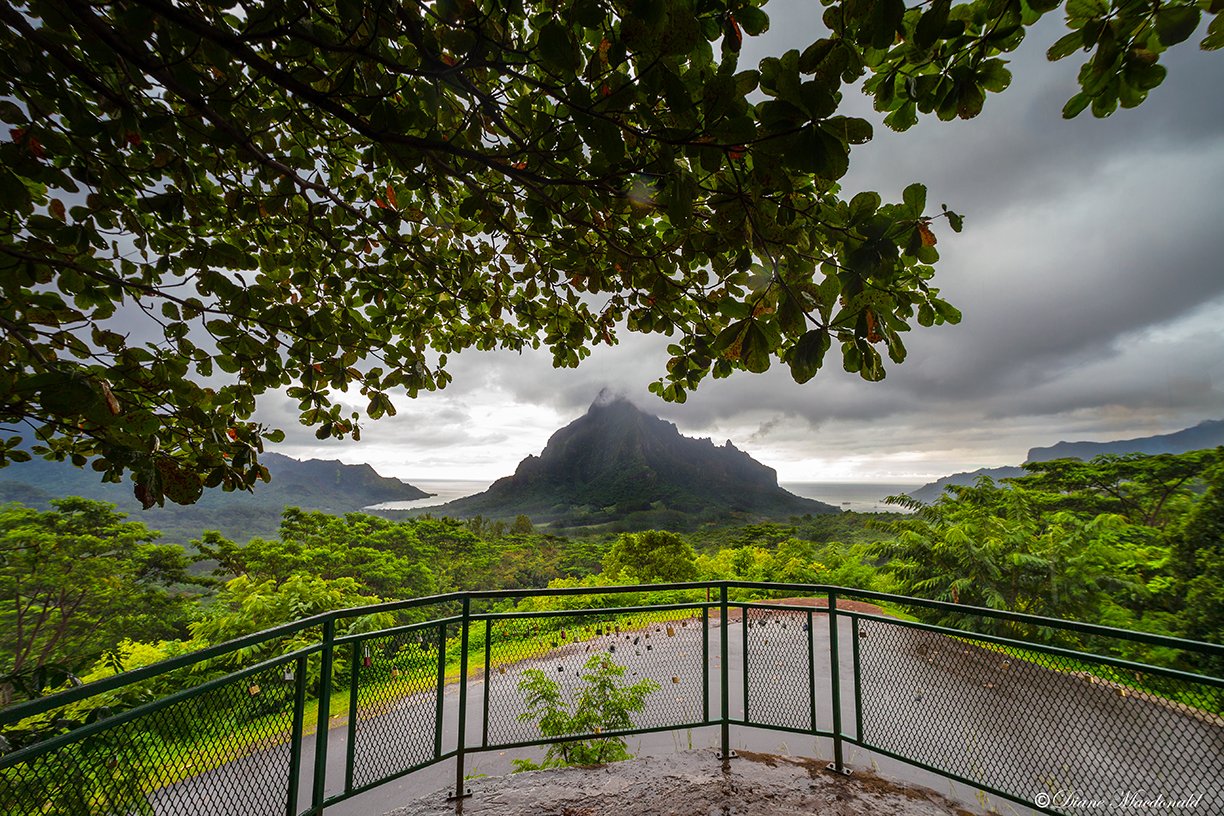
(914, 197)
(829, 156)
(872, 367)
(903, 118)
(681, 195)
(1065, 46)
(790, 315)
(756, 352)
(807, 355)
(1087, 9)
(849, 128)
(994, 76)
(1214, 40)
(863, 206)
(970, 100)
(945, 310)
(752, 20)
(815, 54)
(13, 191)
(884, 21)
(1175, 24)
(1076, 105)
(589, 13)
(852, 357)
(931, 24)
(896, 349)
(729, 335)
(558, 49)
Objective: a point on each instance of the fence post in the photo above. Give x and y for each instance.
(438, 711)
(325, 685)
(726, 752)
(484, 726)
(350, 753)
(811, 639)
(295, 745)
(745, 620)
(835, 682)
(461, 744)
(705, 659)
(858, 680)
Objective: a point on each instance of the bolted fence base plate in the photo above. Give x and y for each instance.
(728, 755)
(467, 793)
(832, 766)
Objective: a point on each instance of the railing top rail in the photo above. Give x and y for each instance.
(41, 705)
(1082, 627)
(32, 708)
(105, 723)
(1201, 646)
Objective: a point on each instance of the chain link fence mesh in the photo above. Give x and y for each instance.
(395, 724)
(776, 660)
(220, 752)
(1067, 733)
(664, 647)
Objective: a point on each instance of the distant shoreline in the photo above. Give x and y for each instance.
(860, 497)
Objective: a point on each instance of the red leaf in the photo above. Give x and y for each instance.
(872, 335)
(736, 32)
(144, 495)
(112, 404)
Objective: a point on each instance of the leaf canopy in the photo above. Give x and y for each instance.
(203, 203)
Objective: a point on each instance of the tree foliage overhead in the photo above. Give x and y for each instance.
(339, 194)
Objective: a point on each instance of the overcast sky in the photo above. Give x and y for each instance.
(1089, 275)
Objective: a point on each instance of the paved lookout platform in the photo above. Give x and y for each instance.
(689, 784)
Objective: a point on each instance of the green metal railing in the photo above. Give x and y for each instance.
(1047, 713)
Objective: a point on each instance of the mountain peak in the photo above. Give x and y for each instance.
(620, 464)
(606, 397)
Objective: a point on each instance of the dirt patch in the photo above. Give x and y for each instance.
(843, 605)
(691, 783)
(819, 604)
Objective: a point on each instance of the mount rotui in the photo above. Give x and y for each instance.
(618, 464)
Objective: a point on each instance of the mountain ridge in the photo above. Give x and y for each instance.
(311, 484)
(1207, 434)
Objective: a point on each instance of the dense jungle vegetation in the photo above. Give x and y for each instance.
(1130, 541)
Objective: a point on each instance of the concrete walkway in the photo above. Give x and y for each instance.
(689, 784)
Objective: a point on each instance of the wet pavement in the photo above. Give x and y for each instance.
(690, 784)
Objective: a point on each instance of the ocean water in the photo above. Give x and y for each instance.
(863, 497)
(444, 490)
